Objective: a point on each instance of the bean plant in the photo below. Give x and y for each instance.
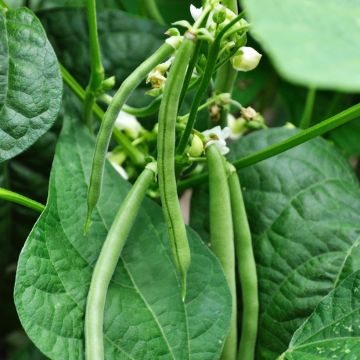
(203, 200)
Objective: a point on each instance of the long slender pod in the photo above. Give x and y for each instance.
(246, 268)
(107, 261)
(107, 125)
(166, 156)
(222, 236)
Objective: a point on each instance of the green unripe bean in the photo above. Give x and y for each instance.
(222, 236)
(107, 262)
(166, 157)
(247, 270)
(107, 125)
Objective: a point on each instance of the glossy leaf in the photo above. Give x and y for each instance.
(310, 42)
(31, 86)
(304, 210)
(333, 329)
(145, 316)
(347, 138)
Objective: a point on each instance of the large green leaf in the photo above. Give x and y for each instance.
(333, 329)
(311, 42)
(31, 86)
(304, 212)
(145, 316)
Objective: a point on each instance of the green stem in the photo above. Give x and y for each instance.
(246, 269)
(205, 80)
(203, 106)
(21, 200)
(107, 262)
(222, 236)
(226, 75)
(152, 10)
(97, 69)
(166, 157)
(136, 156)
(295, 140)
(308, 109)
(107, 125)
(189, 72)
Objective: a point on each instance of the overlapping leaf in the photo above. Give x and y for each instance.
(145, 317)
(333, 329)
(30, 82)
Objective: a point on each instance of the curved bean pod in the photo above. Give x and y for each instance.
(107, 261)
(222, 236)
(107, 125)
(166, 157)
(246, 268)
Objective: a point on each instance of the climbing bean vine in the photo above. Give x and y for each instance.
(187, 107)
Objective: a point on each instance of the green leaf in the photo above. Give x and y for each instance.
(31, 86)
(310, 42)
(304, 210)
(347, 138)
(145, 316)
(126, 41)
(333, 329)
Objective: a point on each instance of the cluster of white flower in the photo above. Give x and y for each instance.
(246, 58)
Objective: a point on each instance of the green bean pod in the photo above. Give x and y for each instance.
(107, 125)
(107, 262)
(222, 236)
(166, 157)
(246, 268)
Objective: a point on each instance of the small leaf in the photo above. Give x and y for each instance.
(310, 42)
(333, 329)
(145, 317)
(30, 82)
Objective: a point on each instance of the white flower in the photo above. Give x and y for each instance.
(217, 136)
(195, 12)
(246, 59)
(129, 124)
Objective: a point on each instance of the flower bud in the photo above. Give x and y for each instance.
(196, 147)
(246, 59)
(219, 16)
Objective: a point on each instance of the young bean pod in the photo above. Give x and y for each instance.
(166, 157)
(246, 268)
(222, 236)
(107, 125)
(107, 261)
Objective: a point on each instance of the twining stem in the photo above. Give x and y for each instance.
(134, 154)
(226, 75)
(153, 11)
(308, 109)
(189, 72)
(205, 80)
(107, 262)
(246, 268)
(222, 236)
(107, 125)
(166, 157)
(21, 200)
(295, 140)
(97, 69)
